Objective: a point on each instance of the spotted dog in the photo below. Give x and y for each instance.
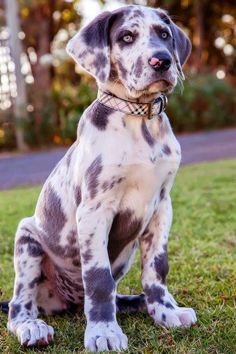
(110, 192)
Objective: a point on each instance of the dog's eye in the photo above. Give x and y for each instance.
(164, 35)
(127, 38)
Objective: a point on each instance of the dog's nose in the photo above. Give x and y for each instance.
(160, 61)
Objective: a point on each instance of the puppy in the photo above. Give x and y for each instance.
(111, 191)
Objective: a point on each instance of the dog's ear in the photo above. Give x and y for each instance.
(90, 47)
(181, 47)
(182, 44)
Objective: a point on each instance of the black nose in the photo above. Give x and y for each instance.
(160, 61)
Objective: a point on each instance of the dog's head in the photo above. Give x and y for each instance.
(137, 47)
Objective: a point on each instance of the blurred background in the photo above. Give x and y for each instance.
(43, 93)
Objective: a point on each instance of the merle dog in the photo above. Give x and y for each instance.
(111, 191)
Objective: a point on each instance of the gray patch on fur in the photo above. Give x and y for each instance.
(19, 288)
(36, 281)
(53, 219)
(69, 154)
(86, 256)
(14, 310)
(92, 175)
(72, 237)
(161, 266)
(166, 149)
(99, 115)
(163, 317)
(119, 271)
(169, 305)
(147, 238)
(122, 69)
(99, 286)
(146, 134)
(138, 67)
(52, 216)
(77, 195)
(125, 228)
(76, 262)
(154, 293)
(34, 248)
(162, 193)
(28, 306)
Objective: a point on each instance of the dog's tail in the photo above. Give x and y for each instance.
(4, 306)
(131, 303)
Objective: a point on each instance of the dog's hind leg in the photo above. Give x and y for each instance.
(23, 311)
(131, 303)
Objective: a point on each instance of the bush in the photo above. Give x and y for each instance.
(7, 130)
(60, 115)
(71, 104)
(205, 103)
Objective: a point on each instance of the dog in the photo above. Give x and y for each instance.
(110, 192)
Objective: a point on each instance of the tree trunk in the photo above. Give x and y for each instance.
(12, 17)
(42, 72)
(199, 34)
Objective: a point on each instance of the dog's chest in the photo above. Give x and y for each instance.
(152, 160)
(149, 168)
(144, 186)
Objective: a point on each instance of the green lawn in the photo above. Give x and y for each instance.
(203, 268)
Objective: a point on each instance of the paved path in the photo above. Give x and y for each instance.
(33, 168)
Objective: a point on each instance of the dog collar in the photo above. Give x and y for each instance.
(149, 110)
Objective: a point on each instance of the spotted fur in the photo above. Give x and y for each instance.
(109, 194)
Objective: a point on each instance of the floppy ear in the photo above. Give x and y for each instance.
(90, 47)
(181, 47)
(181, 42)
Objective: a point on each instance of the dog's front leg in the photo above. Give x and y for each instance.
(160, 303)
(102, 331)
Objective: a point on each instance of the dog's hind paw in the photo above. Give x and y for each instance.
(34, 333)
(100, 338)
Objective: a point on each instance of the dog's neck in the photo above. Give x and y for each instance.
(118, 90)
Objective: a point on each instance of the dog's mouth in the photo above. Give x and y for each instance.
(152, 90)
(162, 85)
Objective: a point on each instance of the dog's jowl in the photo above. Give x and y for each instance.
(111, 191)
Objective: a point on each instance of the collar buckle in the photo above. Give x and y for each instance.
(157, 107)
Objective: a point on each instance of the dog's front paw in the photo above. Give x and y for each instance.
(172, 315)
(100, 337)
(163, 308)
(34, 333)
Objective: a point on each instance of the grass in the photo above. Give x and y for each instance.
(202, 252)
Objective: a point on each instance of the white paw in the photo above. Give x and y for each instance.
(187, 316)
(173, 317)
(100, 337)
(34, 333)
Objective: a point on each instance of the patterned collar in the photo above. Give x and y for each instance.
(149, 110)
